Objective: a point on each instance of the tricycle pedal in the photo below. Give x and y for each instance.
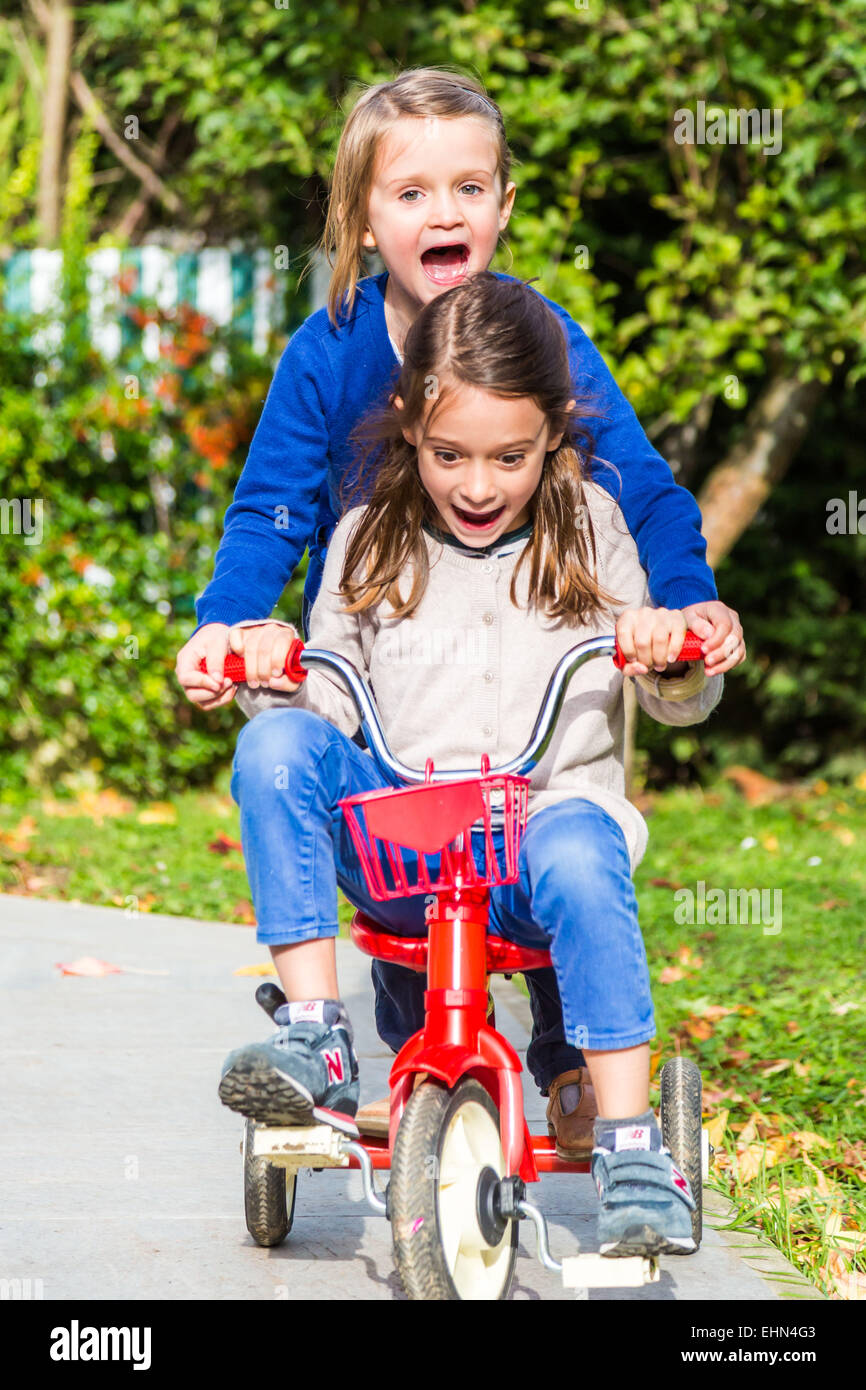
(301, 1146)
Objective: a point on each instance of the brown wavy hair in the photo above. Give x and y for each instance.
(418, 92)
(497, 335)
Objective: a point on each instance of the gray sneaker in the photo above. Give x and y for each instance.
(646, 1202)
(306, 1073)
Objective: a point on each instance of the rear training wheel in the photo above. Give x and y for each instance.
(446, 1155)
(682, 1130)
(269, 1195)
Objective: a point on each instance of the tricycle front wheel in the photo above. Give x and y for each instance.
(447, 1149)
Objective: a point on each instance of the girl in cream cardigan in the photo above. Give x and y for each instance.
(483, 552)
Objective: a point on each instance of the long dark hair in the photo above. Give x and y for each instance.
(499, 336)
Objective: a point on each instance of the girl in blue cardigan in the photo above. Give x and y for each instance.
(422, 175)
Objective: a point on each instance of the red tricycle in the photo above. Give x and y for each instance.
(459, 1149)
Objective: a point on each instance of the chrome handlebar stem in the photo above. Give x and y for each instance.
(398, 773)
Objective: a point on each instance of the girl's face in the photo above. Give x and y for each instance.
(482, 460)
(435, 185)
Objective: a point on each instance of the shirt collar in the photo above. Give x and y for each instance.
(506, 543)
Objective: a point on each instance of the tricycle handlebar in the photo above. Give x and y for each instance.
(301, 659)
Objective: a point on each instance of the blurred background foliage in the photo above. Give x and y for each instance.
(724, 285)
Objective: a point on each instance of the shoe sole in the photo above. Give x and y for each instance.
(643, 1240)
(262, 1093)
(273, 1098)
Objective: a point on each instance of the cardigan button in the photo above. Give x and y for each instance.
(487, 731)
(487, 618)
(488, 676)
(488, 568)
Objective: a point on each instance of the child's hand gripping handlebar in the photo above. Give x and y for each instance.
(236, 670)
(690, 651)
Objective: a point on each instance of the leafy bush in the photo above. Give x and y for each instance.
(134, 465)
(798, 705)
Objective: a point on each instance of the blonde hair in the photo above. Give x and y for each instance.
(418, 92)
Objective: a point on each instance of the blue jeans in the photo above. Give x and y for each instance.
(291, 767)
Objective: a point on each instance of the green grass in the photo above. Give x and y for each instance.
(788, 1060)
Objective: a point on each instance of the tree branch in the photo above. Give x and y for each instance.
(143, 172)
(736, 489)
(118, 146)
(58, 50)
(136, 210)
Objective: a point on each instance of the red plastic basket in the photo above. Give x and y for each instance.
(396, 831)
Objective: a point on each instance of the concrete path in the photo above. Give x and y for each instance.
(120, 1172)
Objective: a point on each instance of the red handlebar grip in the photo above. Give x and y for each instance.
(691, 651)
(235, 670)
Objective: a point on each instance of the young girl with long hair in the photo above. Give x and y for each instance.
(422, 173)
(482, 518)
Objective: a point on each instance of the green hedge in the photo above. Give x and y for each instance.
(134, 466)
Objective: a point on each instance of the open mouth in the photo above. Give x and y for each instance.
(478, 521)
(446, 265)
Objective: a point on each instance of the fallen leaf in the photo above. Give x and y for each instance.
(263, 968)
(808, 1139)
(820, 1181)
(843, 1008)
(715, 1011)
(753, 1158)
(94, 805)
(830, 904)
(771, 1068)
(699, 1029)
(756, 789)
(18, 839)
(222, 844)
(770, 843)
(844, 835)
(664, 883)
(88, 965)
(158, 813)
(851, 1285)
(735, 1057)
(716, 1128)
(671, 974)
(793, 1195)
(244, 910)
(802, 1069)
(714, 1095)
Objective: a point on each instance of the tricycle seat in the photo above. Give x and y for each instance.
(503, 957)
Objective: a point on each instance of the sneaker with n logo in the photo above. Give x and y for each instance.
(307, 1073)
(646, 1202)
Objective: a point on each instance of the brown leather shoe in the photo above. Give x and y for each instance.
(374, 1119)
(573, 1132)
